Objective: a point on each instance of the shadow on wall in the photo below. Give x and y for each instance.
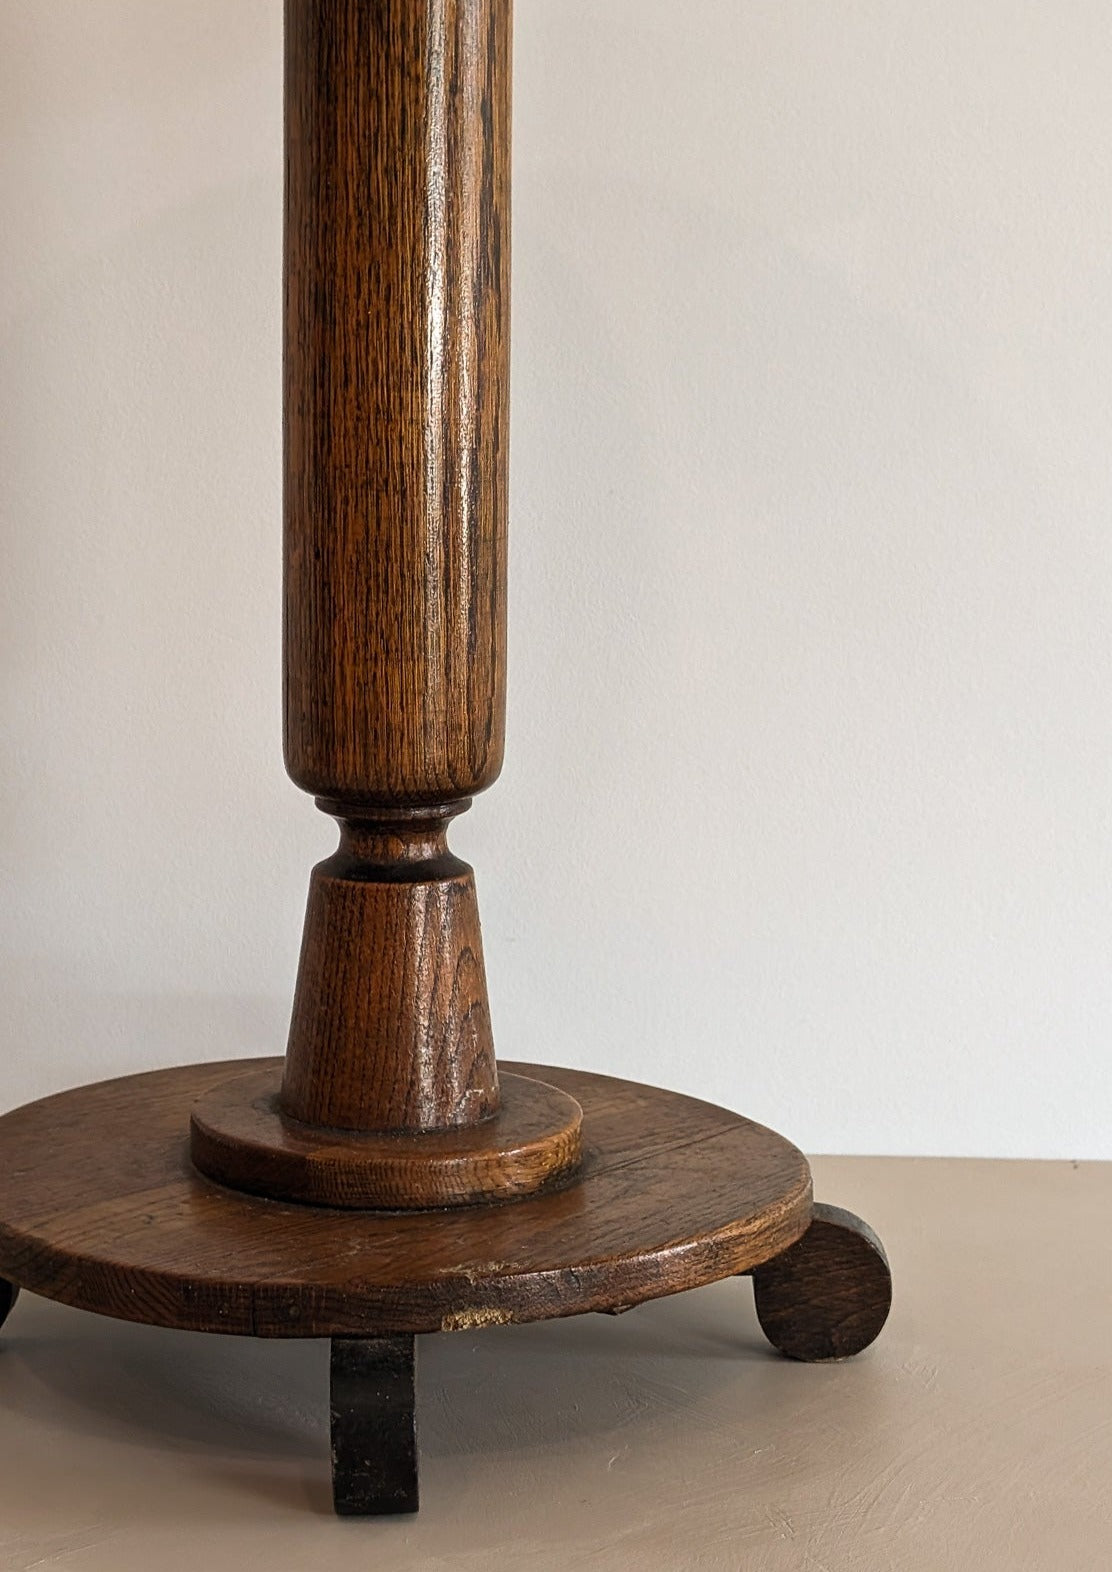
(139, 407)
(139, 708)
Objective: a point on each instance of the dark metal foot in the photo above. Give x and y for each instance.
(9, 1293)
(828, 1296)
(374, 1430)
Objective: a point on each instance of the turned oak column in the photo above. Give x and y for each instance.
(396, 403)
(388, 1112)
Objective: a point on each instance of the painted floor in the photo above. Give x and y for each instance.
(977, 1433)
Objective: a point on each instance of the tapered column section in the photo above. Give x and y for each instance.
(397, 297)
(397, 300)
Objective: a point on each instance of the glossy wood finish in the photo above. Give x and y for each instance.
(240, 1137)
(396, 417)
(829, 1295)
(374, 1426)
(396, 396)
(101, 1208)
(390, 1027)
(9, 1293)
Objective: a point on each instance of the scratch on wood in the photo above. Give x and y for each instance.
(475, 1274)
(467, 1320)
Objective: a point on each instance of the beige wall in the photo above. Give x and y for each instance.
(812, 561)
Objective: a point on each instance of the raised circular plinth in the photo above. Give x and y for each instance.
(101, 1208)
(240, 1137)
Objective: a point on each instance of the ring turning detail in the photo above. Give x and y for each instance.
(241, 1137)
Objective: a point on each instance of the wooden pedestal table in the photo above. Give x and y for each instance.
(385, 1179)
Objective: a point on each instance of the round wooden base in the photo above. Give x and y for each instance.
(240, 1137)
(101, 1208)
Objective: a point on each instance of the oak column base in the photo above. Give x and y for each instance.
(102, 1209)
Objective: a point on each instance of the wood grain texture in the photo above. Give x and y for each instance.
(396, 396)
(240, 1137)
(9, 1293)
(374, 1426)
(829, 1295)
(390, 1027)
(396, 415)
(101, 1208)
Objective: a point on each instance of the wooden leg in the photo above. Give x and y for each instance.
(9, 1293)
(374, 1430)
(828, 1296)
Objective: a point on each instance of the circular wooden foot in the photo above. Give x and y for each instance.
(101, 1207)
(241, 1137)
(9, 1293)
(828, 1295)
